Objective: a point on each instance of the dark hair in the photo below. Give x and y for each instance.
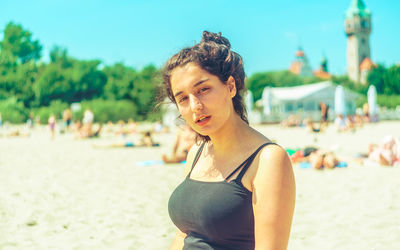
(214, 55)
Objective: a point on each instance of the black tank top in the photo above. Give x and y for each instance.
(215, 215)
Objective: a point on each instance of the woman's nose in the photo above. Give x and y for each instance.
(195, 103)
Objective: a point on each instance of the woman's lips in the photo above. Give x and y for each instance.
(203, 120)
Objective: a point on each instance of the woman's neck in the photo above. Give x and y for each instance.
(227, 140)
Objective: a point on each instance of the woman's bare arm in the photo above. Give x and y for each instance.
(177, 243)
(274, 194)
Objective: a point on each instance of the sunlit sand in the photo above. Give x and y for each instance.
(67, 194)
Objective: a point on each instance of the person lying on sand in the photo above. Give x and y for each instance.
(82, 132)
(17, 133)
(387, 153)
(185, 139)
(318, 158)
(145, 141)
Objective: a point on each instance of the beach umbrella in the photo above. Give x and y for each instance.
(266, 100)
(340, 105)
(372, 100)
(249, 101)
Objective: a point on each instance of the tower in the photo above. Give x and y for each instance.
(358, 29)
(300, 65)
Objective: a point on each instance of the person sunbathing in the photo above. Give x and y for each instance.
(185, 139)
(318, 158)
(82, 132)
(145, 141)
(387, 153)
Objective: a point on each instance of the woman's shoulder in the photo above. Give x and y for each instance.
(191, 156)
(273, 158)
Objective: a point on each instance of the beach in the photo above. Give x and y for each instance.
(67, 194)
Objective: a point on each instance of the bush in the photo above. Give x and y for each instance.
(56, 108)
(388, 101)
(108, 110)
(13, 111)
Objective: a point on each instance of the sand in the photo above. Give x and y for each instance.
(66, 194)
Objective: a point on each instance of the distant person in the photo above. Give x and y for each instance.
(340, 123)
(145, 141)
(131, 126)
(76, 128)
(387, 153)
(67, 118)
(324, 109)
(366, 114)
(318, 158)
(185, 139)
(351, 123)
(88, 118)
(122, 129)
(109, 127)
(52, 125)
(312, 127)
(291, 121)
(30, 121)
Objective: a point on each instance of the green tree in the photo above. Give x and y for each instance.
(120, 81)
(19, 42)
(375, 77)
(59, 56)
(391, 80)
(144, 92)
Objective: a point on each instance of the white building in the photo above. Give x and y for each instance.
(304, 101)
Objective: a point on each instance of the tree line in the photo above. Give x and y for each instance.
(29, 86)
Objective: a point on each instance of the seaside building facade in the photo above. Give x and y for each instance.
(303, 101)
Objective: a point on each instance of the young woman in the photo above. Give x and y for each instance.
(239, 190)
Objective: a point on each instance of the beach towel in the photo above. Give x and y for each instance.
(153, 163)
(306, 164)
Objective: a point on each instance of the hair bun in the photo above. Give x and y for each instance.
(216, 38)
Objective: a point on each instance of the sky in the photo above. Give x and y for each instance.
(265, 33)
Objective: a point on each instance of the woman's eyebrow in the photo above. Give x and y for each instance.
(195, 85)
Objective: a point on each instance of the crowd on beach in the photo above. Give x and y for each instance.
(385, 153)
(342, 122)
(128, 133)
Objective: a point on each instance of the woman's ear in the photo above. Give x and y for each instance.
(231, 86)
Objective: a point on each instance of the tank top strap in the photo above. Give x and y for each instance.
(196, 158)
(250, 160)
(237, 169)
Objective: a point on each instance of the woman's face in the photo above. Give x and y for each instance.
(202, 99)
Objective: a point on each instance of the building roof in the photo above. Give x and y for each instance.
(315, 90)
(299, 92)
(322, 74)
(357, 7)
(295, 67)
(300, 53)
(366, 64)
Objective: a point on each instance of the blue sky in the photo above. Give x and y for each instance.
(266, 33)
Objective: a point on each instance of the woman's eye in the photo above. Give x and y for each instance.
(203, 90)
(182, 99)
